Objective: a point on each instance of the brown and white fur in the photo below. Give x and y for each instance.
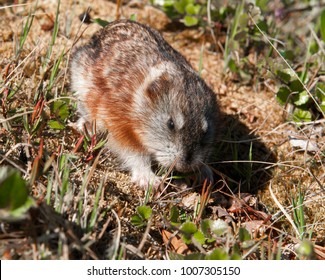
(131, 82)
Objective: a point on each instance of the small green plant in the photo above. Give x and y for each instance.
(242, 35)
(142, 216)
(190, 11)
(26, 30)
(54, 36)
(293, 92)
(302, 88)
(205, 233)
(55, 71)
(245, 28)
(299, 213)
(14, 199)
(306, 250)
(104, 23)
(92, 144)
(101, 22)
(60, 112)
(62, 189)
(96, 208)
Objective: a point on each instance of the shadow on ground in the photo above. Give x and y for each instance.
(242, 157)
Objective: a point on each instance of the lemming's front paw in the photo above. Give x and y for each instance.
(146, 180)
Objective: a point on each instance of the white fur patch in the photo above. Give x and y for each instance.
(139, 164)
(81, 82)
(204, 124)
(179, 120)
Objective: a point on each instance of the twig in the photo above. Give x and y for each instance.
(118, 235)
(283, 210)
(209, 22)
(145, 235)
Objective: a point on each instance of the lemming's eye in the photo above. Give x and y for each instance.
(170, 124)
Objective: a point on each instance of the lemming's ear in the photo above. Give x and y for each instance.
(159, 86)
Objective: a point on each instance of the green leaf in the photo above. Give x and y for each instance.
(296, 86)
(232, 66)
(263, 26)
(284, 76)
(289, 71)
(189, 228)
(61, 109)
(306, 249)
(180, 6)
(244, 235)
(13, 189)
(219, 227)
(300, 115)
(322, 25)
(22, 210)
(243, 20)
(55, 124)
(187, 239)
(174, 215)
(100, 144)
(262, 4)
(301, 99)
(199, 237)
(101, 22)
(192, 9)
(14, 199)
(144, 212)
(190, 21)
(236, 257)
(137, 221)
(283, 95)
(313, 47)
(205, 226)
(217, 254)
(165, 3)
(133, 17)
(289, 54)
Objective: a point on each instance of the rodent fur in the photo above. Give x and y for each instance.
(131, 82)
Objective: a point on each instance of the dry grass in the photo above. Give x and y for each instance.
(85, 203)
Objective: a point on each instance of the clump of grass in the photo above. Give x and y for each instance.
(25, 30)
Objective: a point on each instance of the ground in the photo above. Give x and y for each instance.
(85, 203)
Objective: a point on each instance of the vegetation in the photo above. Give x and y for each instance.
(62, 195)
